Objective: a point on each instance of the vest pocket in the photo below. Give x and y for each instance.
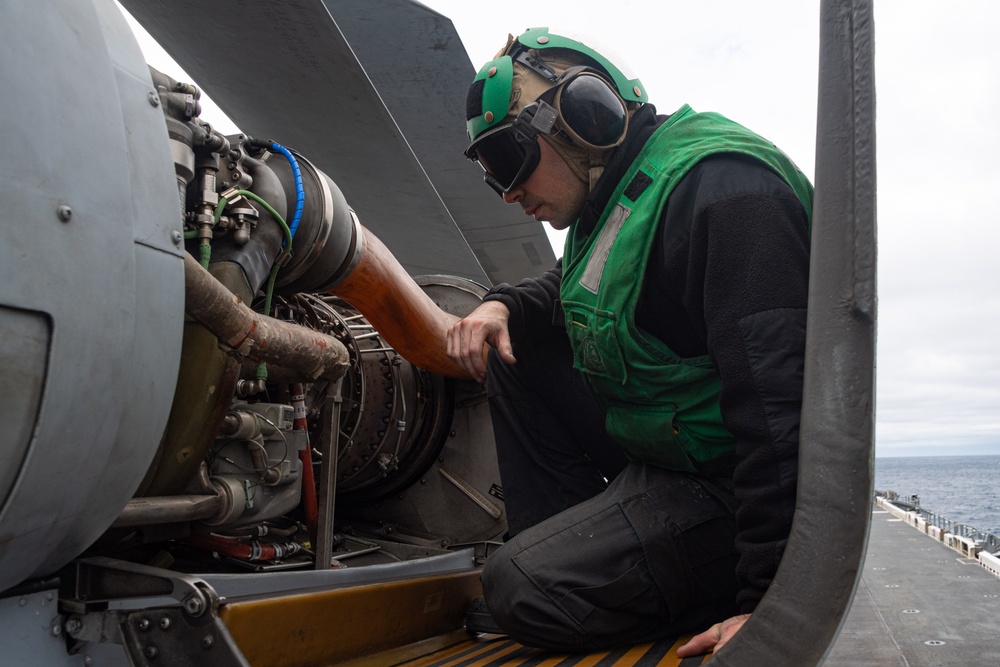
(650, 434)
(592, 335)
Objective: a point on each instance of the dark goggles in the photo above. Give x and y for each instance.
(588, 112)
(508, 156)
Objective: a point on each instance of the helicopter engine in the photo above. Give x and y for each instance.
(231, 367)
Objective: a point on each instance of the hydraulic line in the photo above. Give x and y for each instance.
(254, 551)
(300, 193)
(168, 509)
(310, 503)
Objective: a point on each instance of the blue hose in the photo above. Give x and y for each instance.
(300, 193)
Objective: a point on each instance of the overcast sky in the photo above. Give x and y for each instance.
(938, 99)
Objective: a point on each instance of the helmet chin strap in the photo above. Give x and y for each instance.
(595, 172)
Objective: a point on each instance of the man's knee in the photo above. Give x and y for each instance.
(522, 610)
(503, 584)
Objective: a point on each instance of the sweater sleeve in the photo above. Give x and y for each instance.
(729, 277)
(535, 309)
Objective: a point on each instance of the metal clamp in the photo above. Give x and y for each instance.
(190, 633)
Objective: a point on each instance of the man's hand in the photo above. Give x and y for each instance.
(714, 638)
(487, 324)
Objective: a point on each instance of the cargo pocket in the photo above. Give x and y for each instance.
(618, 605)
(689, 537)
(594, 572)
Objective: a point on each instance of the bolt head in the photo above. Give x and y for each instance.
(194, 605)
(73, 626)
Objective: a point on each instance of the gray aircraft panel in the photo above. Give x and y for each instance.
(427, 61)
(298, 81)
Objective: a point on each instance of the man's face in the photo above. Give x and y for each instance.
(552, 193)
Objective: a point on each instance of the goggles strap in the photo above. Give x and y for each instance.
(540, 116)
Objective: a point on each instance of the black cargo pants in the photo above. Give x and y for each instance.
(592, 563)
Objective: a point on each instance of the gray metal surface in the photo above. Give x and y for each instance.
(389, 130)
(800, 615)
(919, 604)
(417, 62)
(31, 633)
(87, 247)
(242, 585)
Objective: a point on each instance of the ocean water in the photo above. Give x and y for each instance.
(965, 489)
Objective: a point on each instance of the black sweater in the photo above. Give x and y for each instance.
(728, 277)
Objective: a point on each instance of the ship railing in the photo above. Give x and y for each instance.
(986, 541)
(991, 543)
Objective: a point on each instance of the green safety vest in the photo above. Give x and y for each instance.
(660, 408)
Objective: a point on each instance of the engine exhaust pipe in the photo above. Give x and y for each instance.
(257, 337)
(381, 289)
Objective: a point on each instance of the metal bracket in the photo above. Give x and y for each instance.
(190, 634)
(330, 416)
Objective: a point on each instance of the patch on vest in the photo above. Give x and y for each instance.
(592, 356)
(591, 280)
(638, 185)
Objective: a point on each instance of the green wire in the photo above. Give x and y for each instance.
(269, 294)
(223, 201)
(281, 221)
(206, 253)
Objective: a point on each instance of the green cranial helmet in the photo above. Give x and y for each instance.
(490, 94)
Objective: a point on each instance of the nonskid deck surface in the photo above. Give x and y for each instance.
(918, 604)
(499, 651)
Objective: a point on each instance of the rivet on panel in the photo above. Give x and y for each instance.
(637, 91)
(492, 71)
(543, 40)
(488, 116)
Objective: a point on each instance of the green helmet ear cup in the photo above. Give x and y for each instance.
(630, 88)
(489, 96)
